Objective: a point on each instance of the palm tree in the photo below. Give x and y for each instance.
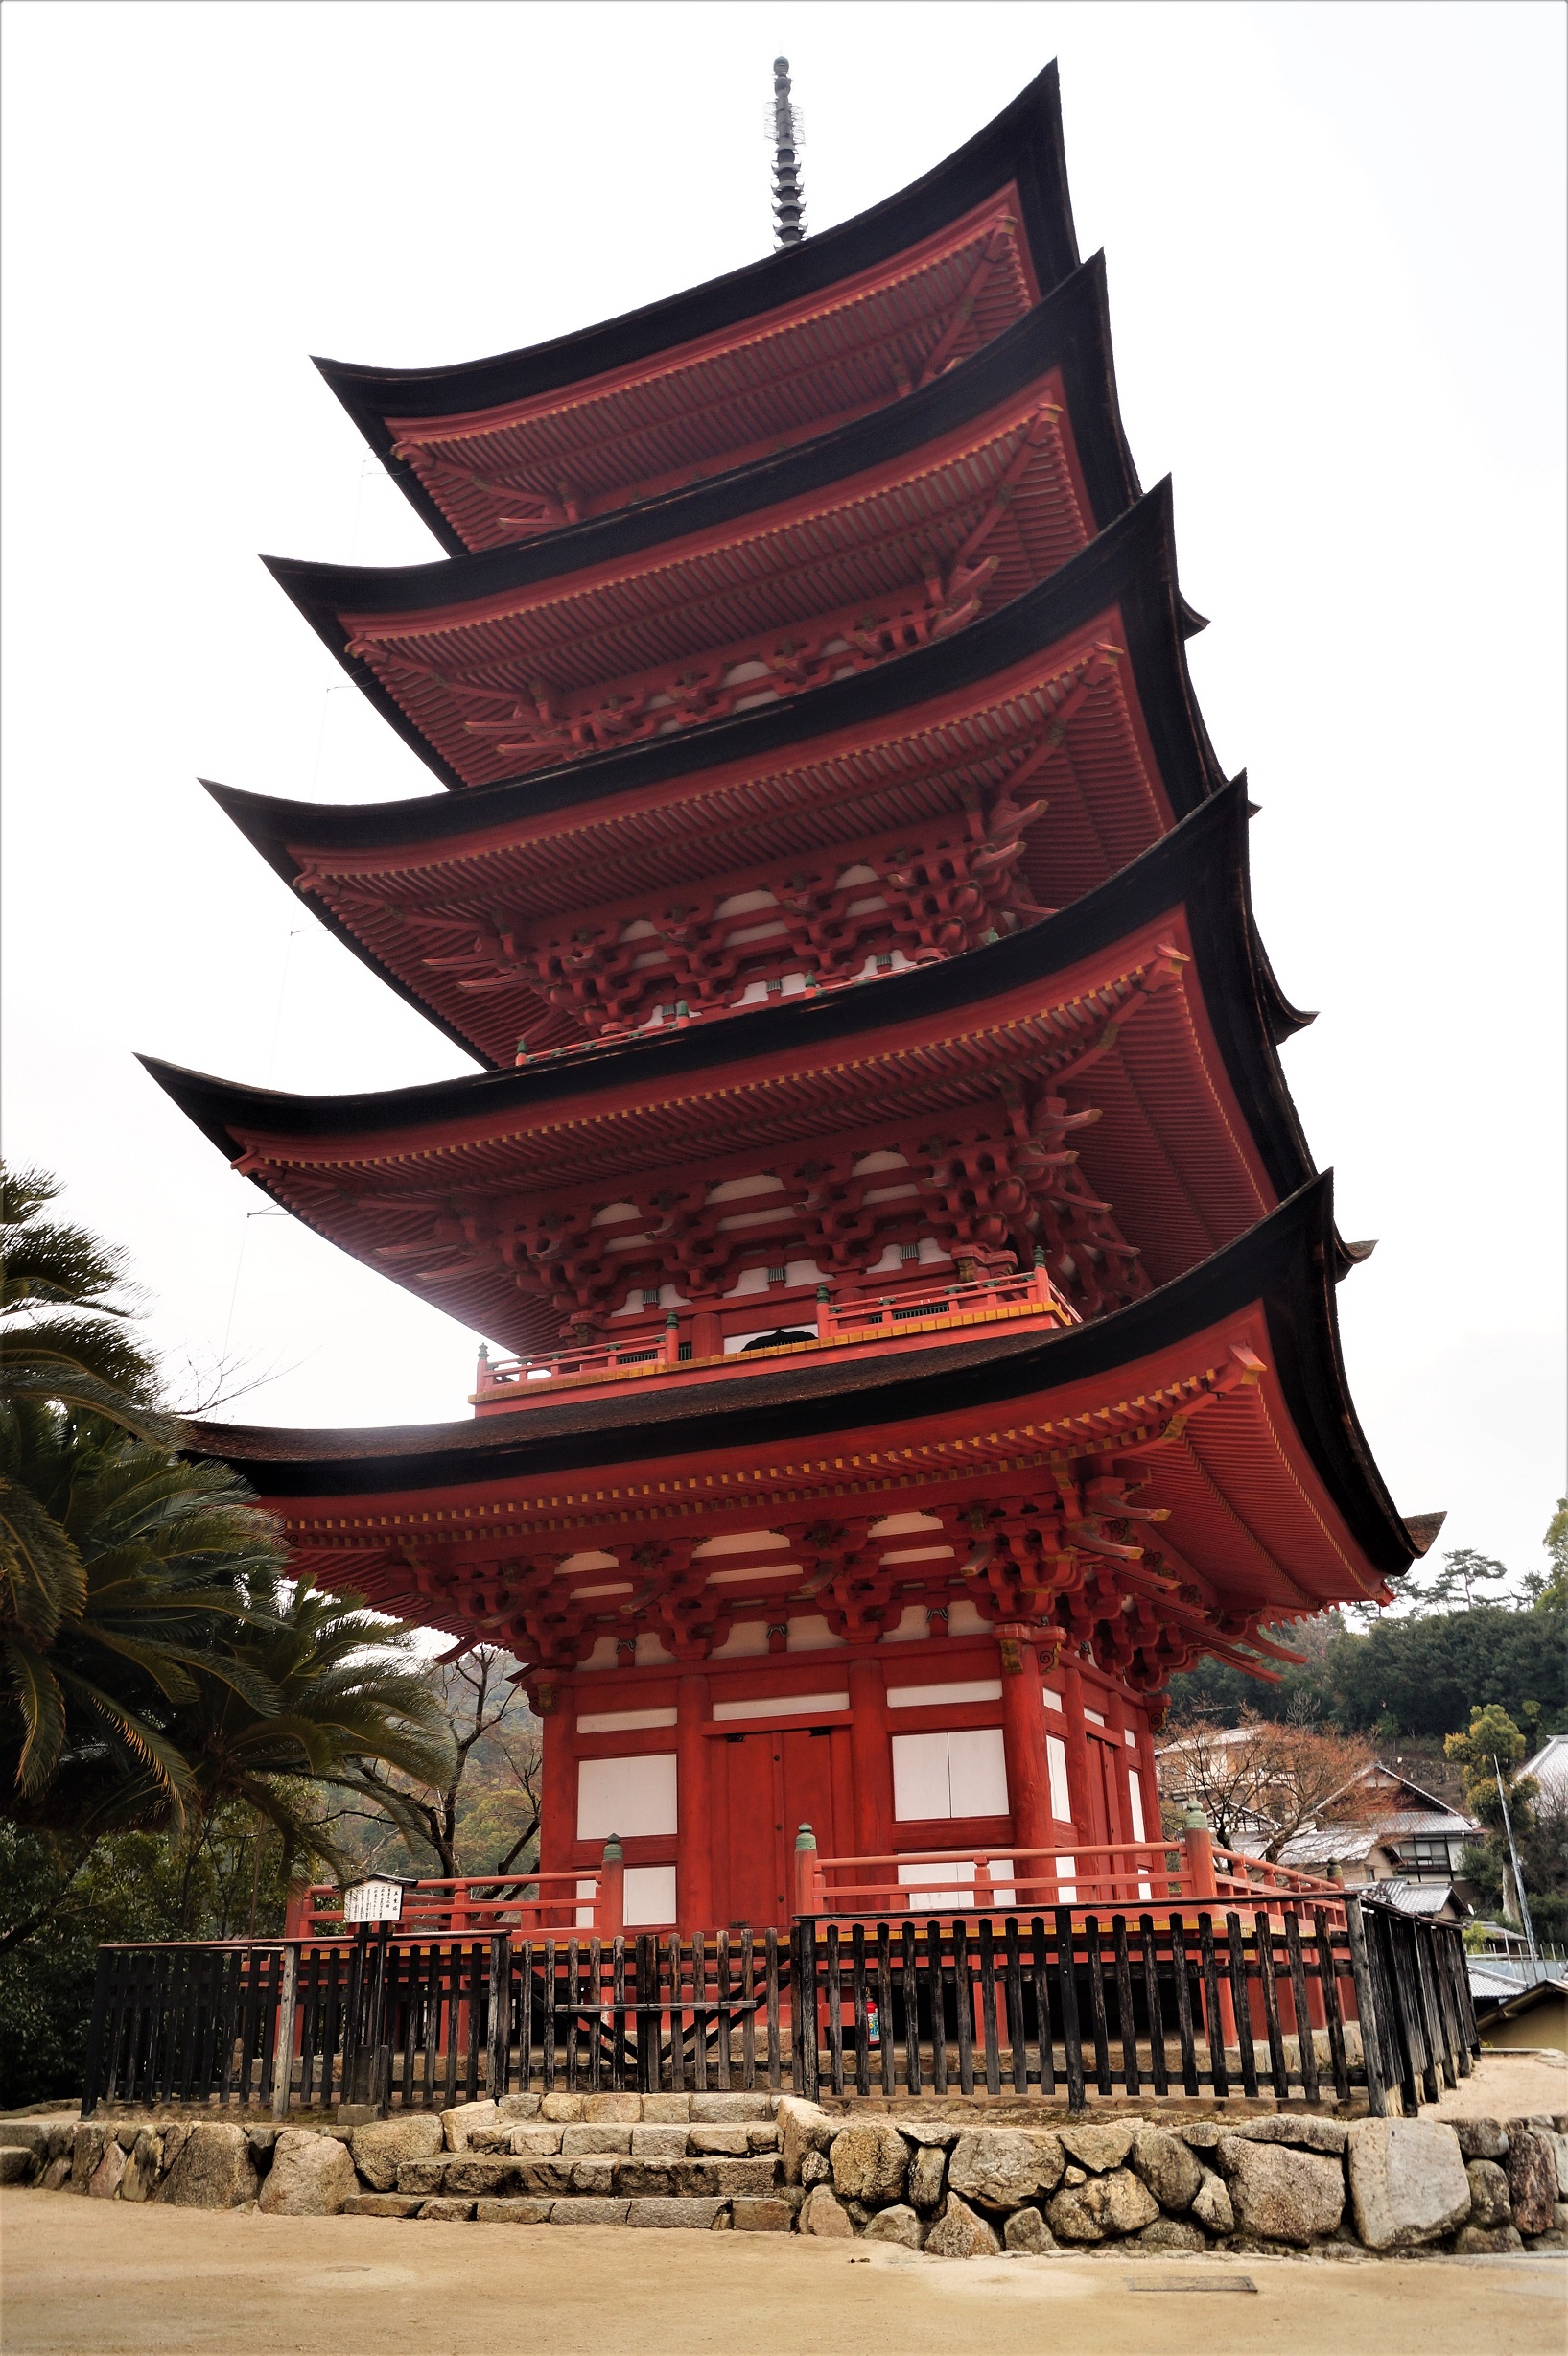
(157, 1660)
(346, 1694)
(117, 1559)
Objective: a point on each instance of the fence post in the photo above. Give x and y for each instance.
(1198, 1845)
(610, 1912)
(1365, 2010)
(282, 2051)
(501, 2015)
(808, 1872)
(648, 2015)
(95, 2034)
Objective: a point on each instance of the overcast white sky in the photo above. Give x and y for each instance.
(1335, 241)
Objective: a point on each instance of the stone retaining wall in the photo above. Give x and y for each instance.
(1293, 2182)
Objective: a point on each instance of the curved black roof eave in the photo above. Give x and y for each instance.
(1022, 144)
(1070, 330)
(1131, 565)
(1284, 1261)
(1202, 866)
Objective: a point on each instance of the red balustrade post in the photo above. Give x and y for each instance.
(807, 1873)
(669, 1348)
(296, 1911)
(825, 1314)
(1198, 1842)
(610, 1911)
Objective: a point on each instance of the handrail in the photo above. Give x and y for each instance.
(1179, 1870)
(585, 1899)
(975, 1300)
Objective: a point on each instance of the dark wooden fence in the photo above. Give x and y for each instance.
(1059, 2009)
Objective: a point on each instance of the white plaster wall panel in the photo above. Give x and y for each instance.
(1056, 1767)
(632, 1797)
(920, 1788)
(935, 1887)
(650, 1896)
(623, 1721)
(964, 1619)
(745, 1642)
(923, 1697)
(811, 1633)
(1135, 1797)
(977, 1769)
(783, 1704)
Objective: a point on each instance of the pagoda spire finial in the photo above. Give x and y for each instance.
(786, 129)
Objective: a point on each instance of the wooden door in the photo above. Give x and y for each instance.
(765, 1786)
(809, 1794)
(750, 1831)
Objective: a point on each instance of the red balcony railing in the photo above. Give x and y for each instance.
(475, 1905)
(1183, 1873)
(894, 1316)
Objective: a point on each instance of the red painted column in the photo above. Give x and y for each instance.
(693, 1801)
(1023, 1744)
(558, 1706)
(558, 1791)
(871, 1761)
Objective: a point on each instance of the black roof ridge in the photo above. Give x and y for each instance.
(1284, 1261)
(1202, 865)
(1070, 330)
(1022, 144)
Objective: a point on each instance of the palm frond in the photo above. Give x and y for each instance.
(42, 1711)
(42, 1573)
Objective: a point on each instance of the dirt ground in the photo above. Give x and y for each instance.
(1506, 2085)
(86, 2276)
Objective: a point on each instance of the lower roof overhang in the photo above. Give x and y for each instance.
(1197, 1136)
(1219, 1400)
(845, 760)
(673, 582)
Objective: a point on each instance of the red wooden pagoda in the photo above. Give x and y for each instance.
(914, 1297)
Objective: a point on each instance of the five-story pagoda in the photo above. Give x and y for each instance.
(914, 1295)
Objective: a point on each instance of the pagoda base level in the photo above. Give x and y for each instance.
(705, 1773)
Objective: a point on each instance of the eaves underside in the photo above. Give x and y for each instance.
(1282, 1261)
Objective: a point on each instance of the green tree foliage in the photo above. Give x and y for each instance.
(1457, 1582)
(1490, 1750)
(218, 1879)
(169, 1696)
(329, 1698)
(1418, 1673)
(1493, 1746)
(119, 1562)
(478, 1811)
